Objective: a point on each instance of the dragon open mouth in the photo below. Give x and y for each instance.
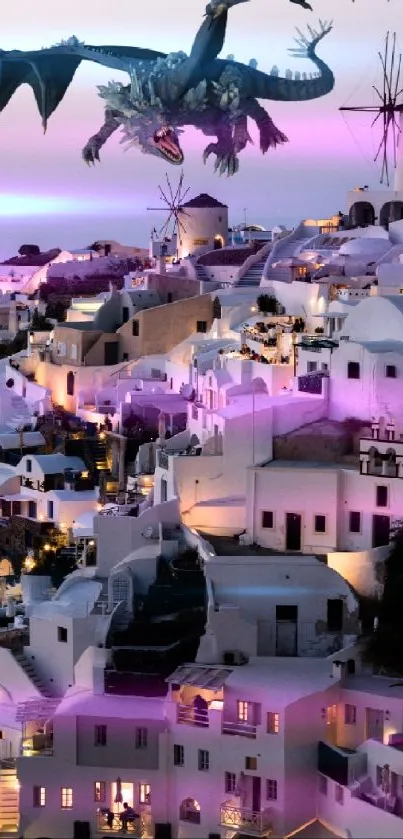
(166, 141)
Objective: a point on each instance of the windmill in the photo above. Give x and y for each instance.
(173, 226)
(388, 111)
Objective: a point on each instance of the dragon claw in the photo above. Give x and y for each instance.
(225, 162)
(90, 153)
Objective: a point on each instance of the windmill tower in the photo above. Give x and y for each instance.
(387, 113)
(170, 234)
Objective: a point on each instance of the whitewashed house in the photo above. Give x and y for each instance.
(261, 605)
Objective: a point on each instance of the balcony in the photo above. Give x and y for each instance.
(249, 821)
(245, 729)
(189, 715)
(140, 828)
(39, 745)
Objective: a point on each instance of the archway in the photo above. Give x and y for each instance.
(70, 383)
(391, 211)
(218, 242)
(361, 214)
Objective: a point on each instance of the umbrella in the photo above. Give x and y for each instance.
(162, 428)
(118, 796)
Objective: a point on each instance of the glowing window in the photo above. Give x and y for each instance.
(243, 711)
(67, 798)
(39, 796)
(272, 723)
(145, 794)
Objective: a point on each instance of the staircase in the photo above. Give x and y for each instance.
(285, 249)
(200, 272)
(253, 274)
(28, 667)
(9, 802)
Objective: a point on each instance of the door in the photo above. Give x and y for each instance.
(111, 352)
(32, 509)
(380, 531)
(256, 795)
(286, 630)
(374, 724)
(265, 638)
(293, 532)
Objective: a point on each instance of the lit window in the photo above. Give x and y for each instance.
(67, 798)
(272, 723)
(145, 794)
(350, 714)
(243, 710)
(99, 791)
(331, 714)
(39, 796)
(271, 790)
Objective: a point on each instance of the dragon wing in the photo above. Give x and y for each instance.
(49, 72)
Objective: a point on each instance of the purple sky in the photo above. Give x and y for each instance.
(50, 197)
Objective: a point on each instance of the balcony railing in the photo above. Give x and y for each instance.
(140, 828)
(40, 745)
(189, 715)
(245, 729)
(242, 818)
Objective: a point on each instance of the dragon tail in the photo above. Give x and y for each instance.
(297, 89)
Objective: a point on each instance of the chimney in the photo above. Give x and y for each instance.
(339, 670)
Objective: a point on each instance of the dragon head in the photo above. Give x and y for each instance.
(153, 134)
(166, 142)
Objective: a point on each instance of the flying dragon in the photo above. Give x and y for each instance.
(170, 91)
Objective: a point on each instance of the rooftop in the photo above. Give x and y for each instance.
(82, 702)
(229, 546)
(307, 464)
(378, 685)
(203, 200)
(55, 464)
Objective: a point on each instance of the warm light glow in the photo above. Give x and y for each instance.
(253, 309)
(102, 435)
(46, 547)
(243, 711)
(91, 543)
(216, 705)
(29, 563)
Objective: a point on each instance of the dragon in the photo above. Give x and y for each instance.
(167, 92)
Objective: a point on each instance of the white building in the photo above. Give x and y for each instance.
(204, 225)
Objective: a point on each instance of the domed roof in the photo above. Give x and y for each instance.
(365, 246)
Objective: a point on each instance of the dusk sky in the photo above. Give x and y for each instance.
(48, 196)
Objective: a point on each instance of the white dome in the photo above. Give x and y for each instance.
(365, 246)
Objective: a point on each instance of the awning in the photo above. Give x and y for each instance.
(40, 709)
(212, 678)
